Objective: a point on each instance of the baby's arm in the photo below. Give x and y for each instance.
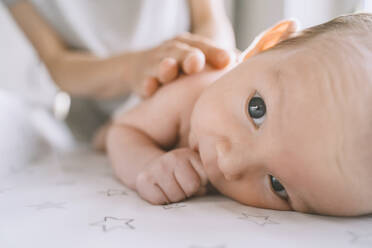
(138, 142)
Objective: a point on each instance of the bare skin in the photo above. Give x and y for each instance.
(81, 73)
(146, 145)
(197, 130)
(301, 141)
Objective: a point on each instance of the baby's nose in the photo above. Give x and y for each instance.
(230, 161)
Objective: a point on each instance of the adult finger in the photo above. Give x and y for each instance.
(215, 56)
(189, 59)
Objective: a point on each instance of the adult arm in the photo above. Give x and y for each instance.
(209, 19)
(77, 72)
(81, 73)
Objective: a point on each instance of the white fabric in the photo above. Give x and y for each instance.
(112, 26)
(27, 133)
(21, 142)
(73, 200)
(21, 72)
(368, 6)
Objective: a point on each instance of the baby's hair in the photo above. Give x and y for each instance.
(361, 22)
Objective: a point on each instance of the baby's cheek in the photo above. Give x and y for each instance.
(235, 190)
(250, 192)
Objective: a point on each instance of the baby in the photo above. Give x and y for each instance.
(290, 128)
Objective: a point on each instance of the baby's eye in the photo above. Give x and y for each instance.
(278, 188)
(257, 109)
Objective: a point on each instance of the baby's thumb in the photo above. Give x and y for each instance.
(198, 167)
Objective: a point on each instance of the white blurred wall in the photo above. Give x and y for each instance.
(368, 5)
(251, 17)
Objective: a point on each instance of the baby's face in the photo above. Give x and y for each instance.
(273, 133)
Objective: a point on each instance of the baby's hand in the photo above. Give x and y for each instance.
(174, 176)
(187, 53)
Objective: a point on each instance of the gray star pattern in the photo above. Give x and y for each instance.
(173, 206)
(364, 240)
(113, 192)
(48, 205)
(113, 223)
(260, 220)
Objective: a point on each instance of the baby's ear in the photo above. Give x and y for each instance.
(269, 38)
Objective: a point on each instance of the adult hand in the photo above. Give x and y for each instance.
(186, 53)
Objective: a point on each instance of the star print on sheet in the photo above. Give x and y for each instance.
(113, 192)
(361, 239)
(173, 206)
(113, 223)
(260, 220)
(48, 205)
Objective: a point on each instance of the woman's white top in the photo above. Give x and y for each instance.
(112, 26)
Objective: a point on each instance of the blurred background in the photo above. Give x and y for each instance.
(250, 17)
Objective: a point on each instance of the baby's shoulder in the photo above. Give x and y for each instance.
(180, 97)
(184, 91)
(166, 115)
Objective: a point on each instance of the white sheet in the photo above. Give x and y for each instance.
(72, 200)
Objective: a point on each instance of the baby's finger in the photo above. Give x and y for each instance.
(196, 163)
(171, 188)
(188, 179)
(215, 56)
(150, 191)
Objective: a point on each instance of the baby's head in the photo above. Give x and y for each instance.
(291, 127)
